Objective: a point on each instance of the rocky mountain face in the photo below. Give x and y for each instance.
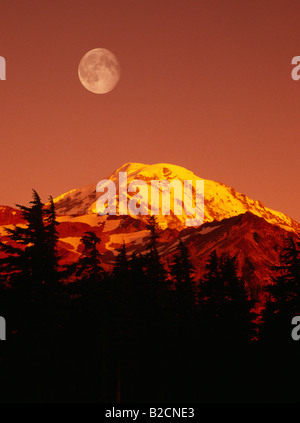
(9, 216)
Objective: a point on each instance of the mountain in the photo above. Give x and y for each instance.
(220, 200)
(233, 223)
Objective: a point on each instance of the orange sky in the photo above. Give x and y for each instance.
(205, 85)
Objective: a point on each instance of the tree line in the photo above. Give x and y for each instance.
(145, 330)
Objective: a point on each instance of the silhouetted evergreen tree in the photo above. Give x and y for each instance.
(31, 270)
(52, 240)
(182, 269)
(211, 292)
(182, 272)
(155, 270)
(88, 267)
(31, 261)
(290, 261)
(237, 312)
(224, 302)
(121, 268)
(283, 301)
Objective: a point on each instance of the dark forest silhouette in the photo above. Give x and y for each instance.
(143, 332)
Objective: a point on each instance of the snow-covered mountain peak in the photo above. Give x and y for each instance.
(221, 201)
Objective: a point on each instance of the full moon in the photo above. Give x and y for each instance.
(99, 71)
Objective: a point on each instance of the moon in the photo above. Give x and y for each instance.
(99, 71)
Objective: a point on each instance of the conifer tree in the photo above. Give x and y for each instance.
(182, 274)
(121, 268)
(31, 269)
(283, 300)
(237, 311)
(31, 258)
(182, 269)
(226, 308)
(211, 294)
(89, 266)
(155, 269)
(52, 240)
